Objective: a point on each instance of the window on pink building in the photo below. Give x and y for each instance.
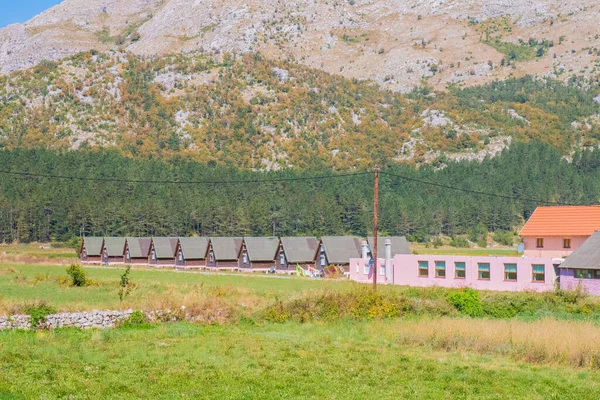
(539, 273)
(510, 272)
(567, 243)
(440, 269)
(539, 243)
(423, 268)
(484, 271)
(460, 270)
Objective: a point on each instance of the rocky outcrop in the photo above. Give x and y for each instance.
(394, 43)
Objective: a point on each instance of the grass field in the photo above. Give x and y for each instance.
(404, 343)
(154, 288)
(38, 253)
(448, 250)
(311, 361)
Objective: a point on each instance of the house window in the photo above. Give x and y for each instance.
(567, 243)
(539, 273)
(153, 255)
(211, 256)
(539, 243)
(180, 256)
(586, 274)
(281, 258)
(366, 269)
(510, 272)
(423, 268)
(460, 270)
(440, 269)
(382, 269)
(322, 260)
(245, 258)
(483, 271)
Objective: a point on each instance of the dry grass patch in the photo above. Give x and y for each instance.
(573, 343)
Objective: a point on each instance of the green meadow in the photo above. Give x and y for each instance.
(341, 360)
(257, 337)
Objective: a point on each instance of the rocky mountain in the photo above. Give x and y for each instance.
(392, 42)
(252, 112)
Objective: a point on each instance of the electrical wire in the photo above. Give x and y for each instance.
(174, 182)
(278, 180)
(476, 192)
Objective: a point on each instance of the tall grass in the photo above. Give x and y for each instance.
(548, 341)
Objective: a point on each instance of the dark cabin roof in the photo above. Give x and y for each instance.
(115, 246)
(399, 245)
(93, 245)
(194, 248)
(300, 249)
(587, 256)
(165, 246)
(340, 249)
(261, 248)
(138, 247)
(226, 248)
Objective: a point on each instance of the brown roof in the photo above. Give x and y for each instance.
(563, 221)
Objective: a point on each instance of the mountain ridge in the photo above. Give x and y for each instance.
(396, 44)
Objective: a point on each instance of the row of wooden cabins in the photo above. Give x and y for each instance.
(234, 253)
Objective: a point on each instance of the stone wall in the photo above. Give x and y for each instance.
(83, 320)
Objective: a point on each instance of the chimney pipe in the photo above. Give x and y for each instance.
(389, 273)
(365, 250)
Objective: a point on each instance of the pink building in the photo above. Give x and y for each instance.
(482, 273)
(556, 232)
(582, 268)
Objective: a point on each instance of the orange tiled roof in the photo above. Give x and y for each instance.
(563, 221)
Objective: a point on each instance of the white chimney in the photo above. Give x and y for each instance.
(389, 273)
(365, 250)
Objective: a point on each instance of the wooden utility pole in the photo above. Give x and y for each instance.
(375, 226)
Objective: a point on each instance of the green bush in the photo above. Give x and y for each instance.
(137, 317)
(466, 301)
(503, 237)
(459, 241)
(38, 312)
(359, 304)
(77, 274)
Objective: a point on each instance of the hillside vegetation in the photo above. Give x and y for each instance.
(252, 113)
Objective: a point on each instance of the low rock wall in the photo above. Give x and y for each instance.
(83, 320)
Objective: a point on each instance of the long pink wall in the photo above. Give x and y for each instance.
(553, 246)
(406, 272)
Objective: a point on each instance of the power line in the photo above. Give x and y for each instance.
(30, 175)
(477, 192)
(174, 182)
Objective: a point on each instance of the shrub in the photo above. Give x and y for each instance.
(359, 304)
(137, 317)
(572, 296)
(136, 320)
(38, 312)
(125, 285)
(503, 237)
(459, 241)
(77, 274)
(466, 301)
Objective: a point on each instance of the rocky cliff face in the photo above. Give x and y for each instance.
(396, 43)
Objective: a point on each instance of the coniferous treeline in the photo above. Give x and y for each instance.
(42, 209)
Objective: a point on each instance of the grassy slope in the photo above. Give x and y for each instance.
(336, 361)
